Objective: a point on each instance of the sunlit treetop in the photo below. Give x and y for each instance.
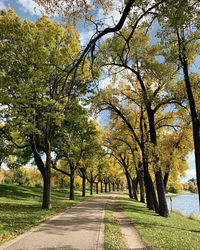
(72, 11)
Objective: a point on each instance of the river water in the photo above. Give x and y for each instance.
(186, 204)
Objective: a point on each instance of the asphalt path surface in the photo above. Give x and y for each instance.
(80, 227)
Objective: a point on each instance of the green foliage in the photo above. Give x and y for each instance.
(20, 177)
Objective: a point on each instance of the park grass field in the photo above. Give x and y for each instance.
(20, 208)
(175, 232)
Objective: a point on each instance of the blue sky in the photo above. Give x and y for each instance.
(25, 9)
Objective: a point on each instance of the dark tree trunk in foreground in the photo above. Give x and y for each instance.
(101, 186)
(193, 110)
(83, 185)
(109, 186)
(83, 176)
(71, 196)
(129, 184)
(140, 181)
(151, 198)
(113, 187)
(135, 196)
(163, 208)
(91, 188)
(45, 170)
(118, 186)
(166, 177)
(46, 202)
(106, 187)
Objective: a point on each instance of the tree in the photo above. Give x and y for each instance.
(72, 11)
(76, 143)
(180, 35)
(34, 90)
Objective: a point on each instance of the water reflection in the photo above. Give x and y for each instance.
(185, 203)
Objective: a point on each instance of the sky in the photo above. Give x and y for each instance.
(25, 10)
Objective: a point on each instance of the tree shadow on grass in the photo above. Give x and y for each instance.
(132, 206)
(19, 192)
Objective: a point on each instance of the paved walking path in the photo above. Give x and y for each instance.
(81, 227)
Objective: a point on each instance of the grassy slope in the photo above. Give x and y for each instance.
(113, 239)
(20, 208)
(175, 232)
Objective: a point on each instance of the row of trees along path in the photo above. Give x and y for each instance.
(45, 75)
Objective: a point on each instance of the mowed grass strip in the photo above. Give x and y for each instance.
(113, 238)
(20, 208)
(175, 232)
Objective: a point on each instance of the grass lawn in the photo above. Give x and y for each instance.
(175, 232)
(20, 208)
(113, 239)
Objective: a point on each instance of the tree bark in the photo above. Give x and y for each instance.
(163, 208)
(71, 196)
(109, 187)
(140, 180)
(135, 196)
(91, 188)
(113, 185)
(118, 186)
(44, 170)
(101, 186)
(129, 184)
(83, 184)
(151, 198)
(166, 177)
(46, 202)
(106, 187)
(195, 120)
(97, 187)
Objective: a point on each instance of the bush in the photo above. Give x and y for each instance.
(175, 187)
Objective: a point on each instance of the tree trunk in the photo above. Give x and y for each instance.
(163, 209)
(97, 187)
(83, 183)
(166, 176)
(129, 184)
(140, 180)
(195, 121)
(91, 187)
(44, 170)
(117, 186)
(106, 187)
(101, 186)
(135, 196)
(46, 202)
(71, 195)
(109, 186)
(151, 198)
(113, 185)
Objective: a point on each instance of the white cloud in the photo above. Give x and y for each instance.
(105, 82)
(191, 172)
(28, 7)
